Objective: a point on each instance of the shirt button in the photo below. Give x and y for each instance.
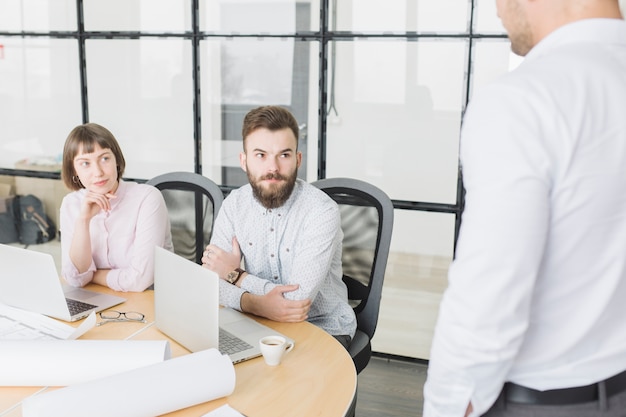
(287, 249)
(272, 255)
(275, 277)
(272, 229)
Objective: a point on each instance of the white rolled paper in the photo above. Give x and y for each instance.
(66, 362)
(145, 392)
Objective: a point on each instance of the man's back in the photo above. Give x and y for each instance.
(539, 280)
(581, 279)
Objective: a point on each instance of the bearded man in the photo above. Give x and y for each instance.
(276, 242)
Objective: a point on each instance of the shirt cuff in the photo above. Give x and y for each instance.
(256, 285)
(76, 279)
(230, 295)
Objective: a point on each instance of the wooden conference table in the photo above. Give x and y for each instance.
(317, 378)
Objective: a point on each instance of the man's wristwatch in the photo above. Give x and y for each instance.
(234, 276)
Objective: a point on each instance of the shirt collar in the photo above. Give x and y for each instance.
(587, 30)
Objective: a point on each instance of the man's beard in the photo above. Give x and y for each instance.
(275, 195)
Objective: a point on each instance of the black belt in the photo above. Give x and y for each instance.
(514, 393)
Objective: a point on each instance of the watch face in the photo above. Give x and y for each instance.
(232, 275)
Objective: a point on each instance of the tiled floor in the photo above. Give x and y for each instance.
(390, 388)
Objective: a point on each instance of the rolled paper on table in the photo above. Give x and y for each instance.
(145, 392)
(66, 362)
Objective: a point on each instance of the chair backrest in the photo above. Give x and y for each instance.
(193, 202)
(367, 223)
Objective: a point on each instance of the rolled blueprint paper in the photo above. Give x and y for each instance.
(66, 362)
(145, 392)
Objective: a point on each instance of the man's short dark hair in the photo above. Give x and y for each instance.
(271, 118)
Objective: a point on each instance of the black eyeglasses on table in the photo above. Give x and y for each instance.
(119, 316)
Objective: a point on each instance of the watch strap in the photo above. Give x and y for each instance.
(239, 274)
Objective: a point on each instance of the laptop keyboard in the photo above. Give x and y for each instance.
(77, 307)
(230, 344)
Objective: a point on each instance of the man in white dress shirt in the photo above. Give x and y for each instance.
(533, 322)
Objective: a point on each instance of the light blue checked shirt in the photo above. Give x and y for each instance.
(298, 243)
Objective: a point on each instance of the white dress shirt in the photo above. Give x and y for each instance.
(537, 291)
(297, 243)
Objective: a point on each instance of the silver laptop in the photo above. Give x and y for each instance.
(29, 281)
(186, 308)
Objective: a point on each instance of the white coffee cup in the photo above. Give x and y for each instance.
(273, 348)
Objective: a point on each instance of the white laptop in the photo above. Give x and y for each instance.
(29, 281)
(187, 309)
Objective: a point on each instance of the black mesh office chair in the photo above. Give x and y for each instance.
(193, 202)
(367, 223)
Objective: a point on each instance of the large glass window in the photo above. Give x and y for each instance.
(415, 279)
(253, 72)
(422, 16)
(492, 58)
(37, 15)
(259, 16)
(395, 112)
(39, 99)
(486, 18)
(142, 91)
(138, 15)
(378, 89)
